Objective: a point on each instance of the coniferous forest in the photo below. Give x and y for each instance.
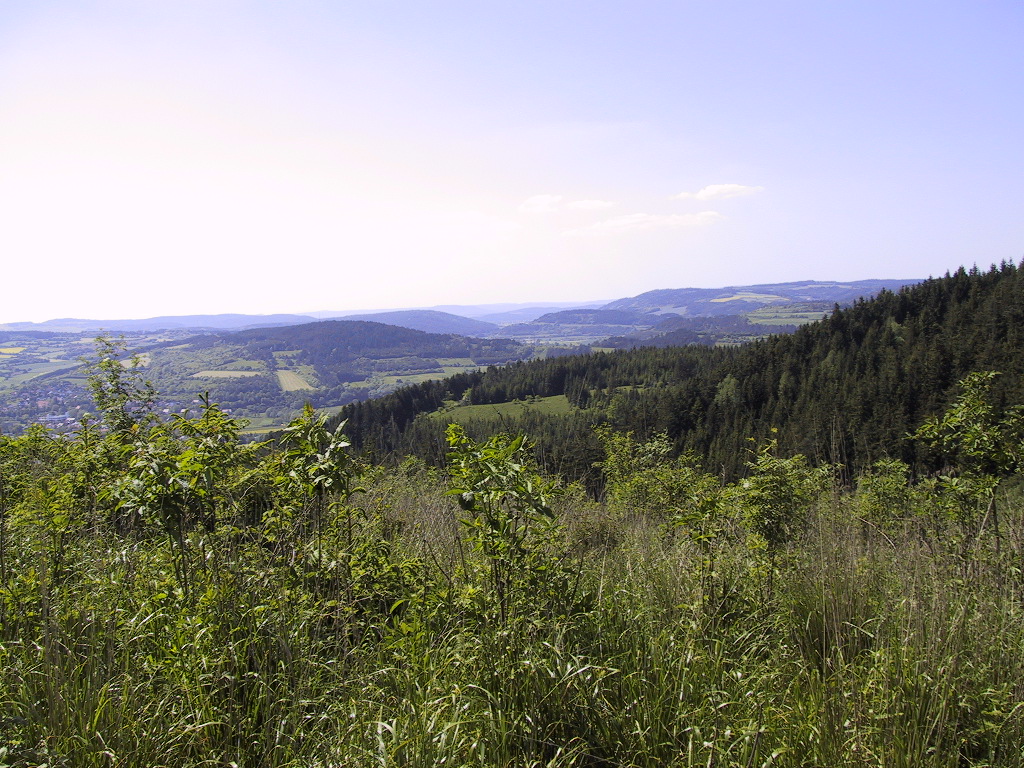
(845, 390)
(806, 551)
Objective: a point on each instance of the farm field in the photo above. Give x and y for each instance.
(35, 370)
(417, 378)
(225, 374)
(292, 382)
(745, 296)
(21, 361)
(797, 315)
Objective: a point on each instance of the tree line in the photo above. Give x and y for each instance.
(845, 390)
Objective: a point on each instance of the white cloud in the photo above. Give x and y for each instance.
(645, 222)
(590, 205)
(541, 204)
(720, 192)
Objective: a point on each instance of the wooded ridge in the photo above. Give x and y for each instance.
(844, 390)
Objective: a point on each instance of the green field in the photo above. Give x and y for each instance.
(418, 378)
(403, 378)
(556, 405)
(784, 316)
(224, 374)
(749, 297)
(292, 382)
(35, 370)
(260, 425)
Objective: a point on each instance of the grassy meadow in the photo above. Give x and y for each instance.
(555, 405)
(290, 381)
(225, 374)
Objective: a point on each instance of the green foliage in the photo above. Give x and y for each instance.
(181, 473)
(986, 442)
(624, 457)
(885, 495)
(641, 476)
(262, 610)
(778, 493)
(315, 462)
(124, 398)
(845, 390)
(509, 521)
(975, 432)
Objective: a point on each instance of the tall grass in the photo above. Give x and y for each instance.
(376, 643)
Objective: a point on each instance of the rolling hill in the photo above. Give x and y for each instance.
(225, 322)
(264, 374)
(431, 321)
(744, 313)
(845, 389)
(734, 300)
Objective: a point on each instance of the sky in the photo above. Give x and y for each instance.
(215, 156)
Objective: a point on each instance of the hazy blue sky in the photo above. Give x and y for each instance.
(185, 156)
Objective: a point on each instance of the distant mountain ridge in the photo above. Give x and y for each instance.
(498, 318)
(430, 321)
(734, 300)
(641, 317)
(612, 316)
(579, 325)
(224, 322)
(846, 389)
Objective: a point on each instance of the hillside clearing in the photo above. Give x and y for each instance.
(743, 296)
(292, 382)
(556, 405)
(224, 374)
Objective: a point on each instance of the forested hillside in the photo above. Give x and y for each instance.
(173, 595)
(846, 389)
(431, 321)
(262, 374)
(713, 302)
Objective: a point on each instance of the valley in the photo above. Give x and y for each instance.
(264, 368)
(801, 550)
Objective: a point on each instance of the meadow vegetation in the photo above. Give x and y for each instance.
(173, 596)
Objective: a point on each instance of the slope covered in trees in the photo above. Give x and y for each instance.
(173, 595)
(431, 321)
(846, 389)
(709, 302)
(259, 373)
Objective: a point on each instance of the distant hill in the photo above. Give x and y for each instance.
(530, 313)
(341, 340)
(597, 316)
(501, 313)
(265, 374)
(175, 322)
(676, 331)
(845, 389)
(581, 325)
(325, 363)
(735, 300)
(819, 296)
(745, 313)
(431, 321)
